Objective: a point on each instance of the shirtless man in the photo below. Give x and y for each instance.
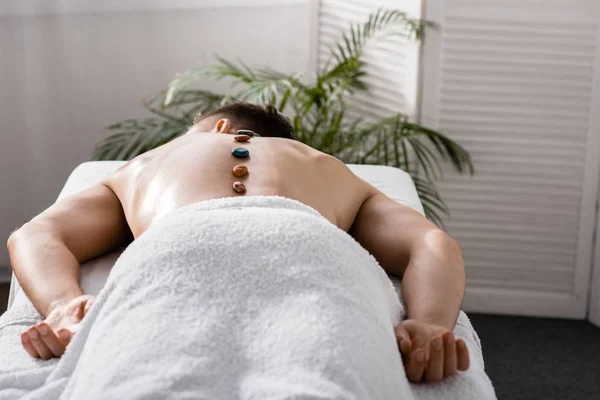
(46, 252)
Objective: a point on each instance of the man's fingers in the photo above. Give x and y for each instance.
(435, 367)
(416, 365)
(38, 344)
(449, 354)
(419, 338)
(54, 344)
(462, 355)
(26, 341)
(41, 341)
(65, 335)
(403, 339)
(87, 307)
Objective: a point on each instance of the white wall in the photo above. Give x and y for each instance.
(69, 68)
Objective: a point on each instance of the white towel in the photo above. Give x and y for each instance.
(237, 298)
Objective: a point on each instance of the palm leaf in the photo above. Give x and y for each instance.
(426, 160)
(109, 147)
(196, 98)
(222, 69)
(433, 204)
(164, 113)
(433, 214)
(352, 43)
(446, 147)
(185, 79)
(405, 160)
(127, 140)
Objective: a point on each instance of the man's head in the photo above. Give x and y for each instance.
(264, 120)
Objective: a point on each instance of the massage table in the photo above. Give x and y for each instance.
(392, 181)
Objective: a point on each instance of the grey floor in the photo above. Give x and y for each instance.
(529, 358)
(3, 296)
(540, 358)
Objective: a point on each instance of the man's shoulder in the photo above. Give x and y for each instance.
(119, 178)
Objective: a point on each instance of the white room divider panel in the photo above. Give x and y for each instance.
(516, 82)
(392, 62)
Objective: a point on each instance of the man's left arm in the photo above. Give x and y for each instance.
(430, 264)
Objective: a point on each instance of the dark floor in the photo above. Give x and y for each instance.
(3, 296)
(538, 358)
(529, 358)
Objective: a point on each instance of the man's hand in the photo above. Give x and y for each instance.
(430, 352)
(50, 337)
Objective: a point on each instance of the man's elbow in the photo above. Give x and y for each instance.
(15, 237)
(437, 238)
(25, 233)
(12, 239)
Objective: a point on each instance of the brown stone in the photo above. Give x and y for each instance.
(239, 187)
(240, 171)
(241, 138)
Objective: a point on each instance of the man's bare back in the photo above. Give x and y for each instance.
(198, 166)
(47, 251)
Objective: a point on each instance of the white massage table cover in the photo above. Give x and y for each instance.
(392, 181)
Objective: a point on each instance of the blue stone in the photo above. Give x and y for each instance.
(240, 152)
(247, 132)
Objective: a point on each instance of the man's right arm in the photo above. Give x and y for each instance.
(46, 252)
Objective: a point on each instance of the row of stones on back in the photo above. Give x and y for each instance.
(240, 171)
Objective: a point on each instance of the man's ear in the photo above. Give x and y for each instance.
(222, 126)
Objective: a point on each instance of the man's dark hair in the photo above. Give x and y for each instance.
(264, 120)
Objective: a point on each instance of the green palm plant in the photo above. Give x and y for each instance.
(319, 111)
